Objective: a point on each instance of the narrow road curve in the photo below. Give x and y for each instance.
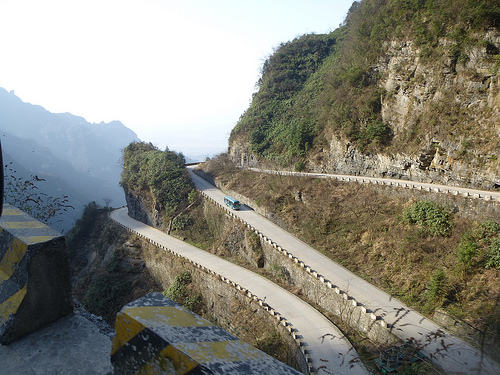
(458, 358)
(475, 193)
(331, 355)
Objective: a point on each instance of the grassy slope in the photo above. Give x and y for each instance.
(363, 228)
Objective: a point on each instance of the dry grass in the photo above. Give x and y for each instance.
(361, 227)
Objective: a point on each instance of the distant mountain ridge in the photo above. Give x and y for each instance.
(77, 158)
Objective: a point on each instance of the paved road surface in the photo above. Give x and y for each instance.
(459, 358)
(310, 324)
(72, 345)
(484, 194)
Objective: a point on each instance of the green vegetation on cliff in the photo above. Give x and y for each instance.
(282, 116)
(159, 174)
(319, 86)
(106, 271)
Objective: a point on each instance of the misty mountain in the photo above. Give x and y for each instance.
(75, 157)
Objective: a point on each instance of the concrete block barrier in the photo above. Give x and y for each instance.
(156, 335)
(35, 288)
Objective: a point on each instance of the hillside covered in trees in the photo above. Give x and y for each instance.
(404, 88)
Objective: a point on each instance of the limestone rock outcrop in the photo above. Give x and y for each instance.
(139, 209)
(423, 90)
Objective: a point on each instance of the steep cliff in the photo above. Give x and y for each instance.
(156, 184)
(410, 90)
(142, 208)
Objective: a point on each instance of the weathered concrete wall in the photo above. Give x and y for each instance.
(156, 335)
(487, 340)
(35, 287)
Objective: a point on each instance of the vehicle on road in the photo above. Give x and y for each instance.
(232, 202)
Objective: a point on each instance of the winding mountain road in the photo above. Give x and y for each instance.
(332, 355)
(458, 358)
(437, 188)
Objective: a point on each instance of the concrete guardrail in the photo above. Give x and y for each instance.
(457, 191)
(156, 335)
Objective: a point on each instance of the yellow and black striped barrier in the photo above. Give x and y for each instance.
(34, 275)
(155, 335)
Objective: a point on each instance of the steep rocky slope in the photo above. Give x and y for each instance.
(420, 95)
(419, 102)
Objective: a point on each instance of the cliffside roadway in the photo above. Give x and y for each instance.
(332, 353)
(458, 357)
(484, 194)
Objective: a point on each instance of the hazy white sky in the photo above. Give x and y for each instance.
(177, 72)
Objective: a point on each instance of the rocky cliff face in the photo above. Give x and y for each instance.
(143, 209)
(424, 90)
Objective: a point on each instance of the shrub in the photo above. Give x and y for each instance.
(300, 166)
(177, 290)
(193, 194)
(182, 222)
(493, 256)
(180, 293)
(467, 250)
(163, 173)
(490, 228)
(436, 284)
(379, 131)
(193, 302)
(107, 293)
(429, 216)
